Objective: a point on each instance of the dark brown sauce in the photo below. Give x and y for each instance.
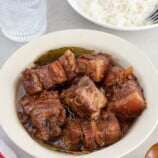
(55, 144)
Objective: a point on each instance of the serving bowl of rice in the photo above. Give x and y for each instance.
(126, 15)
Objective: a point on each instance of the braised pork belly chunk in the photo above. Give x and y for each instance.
(84, 98)
(79, 103)
(113, 132)
(46, 77)
(46, 113)
(118, 75)
(72, 135)
(125, 96)
(57, 72)
(91, 134)
(95, 66)
(68, 61)
(31, 81)
(127, 99)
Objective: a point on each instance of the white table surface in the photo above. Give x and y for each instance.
(61, 16)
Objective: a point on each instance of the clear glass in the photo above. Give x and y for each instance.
(23, 20)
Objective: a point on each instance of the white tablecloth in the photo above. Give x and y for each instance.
(61, 16)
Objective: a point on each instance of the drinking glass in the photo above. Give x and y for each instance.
(23, 20)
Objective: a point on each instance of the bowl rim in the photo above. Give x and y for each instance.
(110, 26)
(75, 31)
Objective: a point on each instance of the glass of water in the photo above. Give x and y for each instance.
(23, 20)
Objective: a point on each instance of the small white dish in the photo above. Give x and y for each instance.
(76, 7)
(123, 53)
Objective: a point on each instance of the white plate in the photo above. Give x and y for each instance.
(122, 51)
(75, 6)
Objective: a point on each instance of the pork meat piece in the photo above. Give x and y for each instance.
(72, 134)
(51, 74)
(78, 133)
(107, 129)
(31, 81)
(68, 62)
(113, 131)
(101, 132)
(127, 99)
(27, 103)
(45, 77)
(89, 133)
(84, 98)
(94, 65)
(57, 72)
(100, 135)
(46, 113)
(118, 75)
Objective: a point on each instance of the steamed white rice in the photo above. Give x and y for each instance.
(119, 12)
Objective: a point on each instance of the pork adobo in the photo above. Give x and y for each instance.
(79, 103)
(84, 98)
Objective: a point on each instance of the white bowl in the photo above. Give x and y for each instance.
(123, 53)
(76, 7)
